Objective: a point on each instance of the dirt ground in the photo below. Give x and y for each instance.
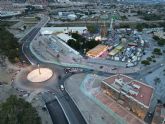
(7, 70)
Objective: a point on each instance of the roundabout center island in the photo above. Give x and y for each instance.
(40, 75)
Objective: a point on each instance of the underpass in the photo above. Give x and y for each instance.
(56, 112)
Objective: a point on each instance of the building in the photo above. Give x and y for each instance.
(67, 15)
(97, 51)
(131, 94)
(54, 30)
(5, 14)
(116, 50)
(64, 37)
(160, 34)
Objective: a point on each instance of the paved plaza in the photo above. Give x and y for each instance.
(88, 87)
(40, 75)
(89, 109)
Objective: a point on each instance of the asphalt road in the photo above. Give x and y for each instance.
(56, 112)
(73, 114)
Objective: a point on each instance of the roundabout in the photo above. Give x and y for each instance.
(32, 78)
(40, 75)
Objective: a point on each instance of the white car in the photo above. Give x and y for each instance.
(62, 87)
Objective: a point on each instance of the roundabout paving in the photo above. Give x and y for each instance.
(40, 75)
(32, 78)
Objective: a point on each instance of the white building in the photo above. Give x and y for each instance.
(56, 30)
(4, 14)
(64, 37)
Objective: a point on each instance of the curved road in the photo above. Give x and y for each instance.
(69, 108)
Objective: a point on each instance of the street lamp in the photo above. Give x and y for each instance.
(39, 68)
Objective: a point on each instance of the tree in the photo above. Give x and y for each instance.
(164, 105)
(74, 44)
(139, 27)
(80, 43)
(122, 25)
(152, 56)
(76, 36)
(24, 27)
(156, 38)
(145, 62)
(149, 58)
(124, 17)
(154, 61)
(164, 29)
(92, 28)
(157, 80)
(161, 42)
(157, 51)
(150, 17)
(18, 111)
(8, 44)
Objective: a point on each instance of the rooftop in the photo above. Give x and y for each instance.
(160, 34)
(133, 89)
(113, 52)
(64, 37)
(51, 30)
(97, 51)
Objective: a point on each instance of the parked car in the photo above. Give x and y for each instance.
(72, 70)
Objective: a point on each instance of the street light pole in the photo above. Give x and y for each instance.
(39, 68)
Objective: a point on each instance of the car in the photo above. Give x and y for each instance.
(72, 70)
(150, 72)
(66, 70)
(114, 68)
(149, 114)
(62, 87)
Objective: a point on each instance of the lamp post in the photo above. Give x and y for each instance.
(39, 68)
